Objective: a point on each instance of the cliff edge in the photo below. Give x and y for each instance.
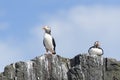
(55, 67)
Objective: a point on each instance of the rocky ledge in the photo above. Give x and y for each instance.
(55, 67)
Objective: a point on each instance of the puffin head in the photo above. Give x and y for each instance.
(97, 44)
(47, 29)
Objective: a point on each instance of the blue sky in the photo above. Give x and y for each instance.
(75, 24)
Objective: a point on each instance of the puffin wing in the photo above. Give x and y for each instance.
(54, 44)
(89, 50)
(44, 43)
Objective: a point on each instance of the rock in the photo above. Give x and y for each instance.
(112, 69)
(46, 67)
(84, 67)
(55, 67)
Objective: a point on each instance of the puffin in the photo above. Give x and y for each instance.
(96, 50)
(48, 41)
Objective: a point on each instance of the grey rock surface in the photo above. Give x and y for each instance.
(55, 67)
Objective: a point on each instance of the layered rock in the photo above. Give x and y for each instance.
(55, 67)
(84, 67)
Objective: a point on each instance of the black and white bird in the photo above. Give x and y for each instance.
(48, 40)
(96, 50)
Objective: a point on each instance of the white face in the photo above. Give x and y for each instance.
(47, 29)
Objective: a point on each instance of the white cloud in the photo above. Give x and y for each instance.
(96, 16)
(91, 19)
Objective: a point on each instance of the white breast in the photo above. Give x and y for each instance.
(95, 51)
(48, 41)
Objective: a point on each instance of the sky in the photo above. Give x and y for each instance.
(75, 24)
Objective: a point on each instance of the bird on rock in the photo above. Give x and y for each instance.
(48, 41)
(96, 50)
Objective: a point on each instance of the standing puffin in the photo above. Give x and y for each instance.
(96, 50)
(48, 40)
